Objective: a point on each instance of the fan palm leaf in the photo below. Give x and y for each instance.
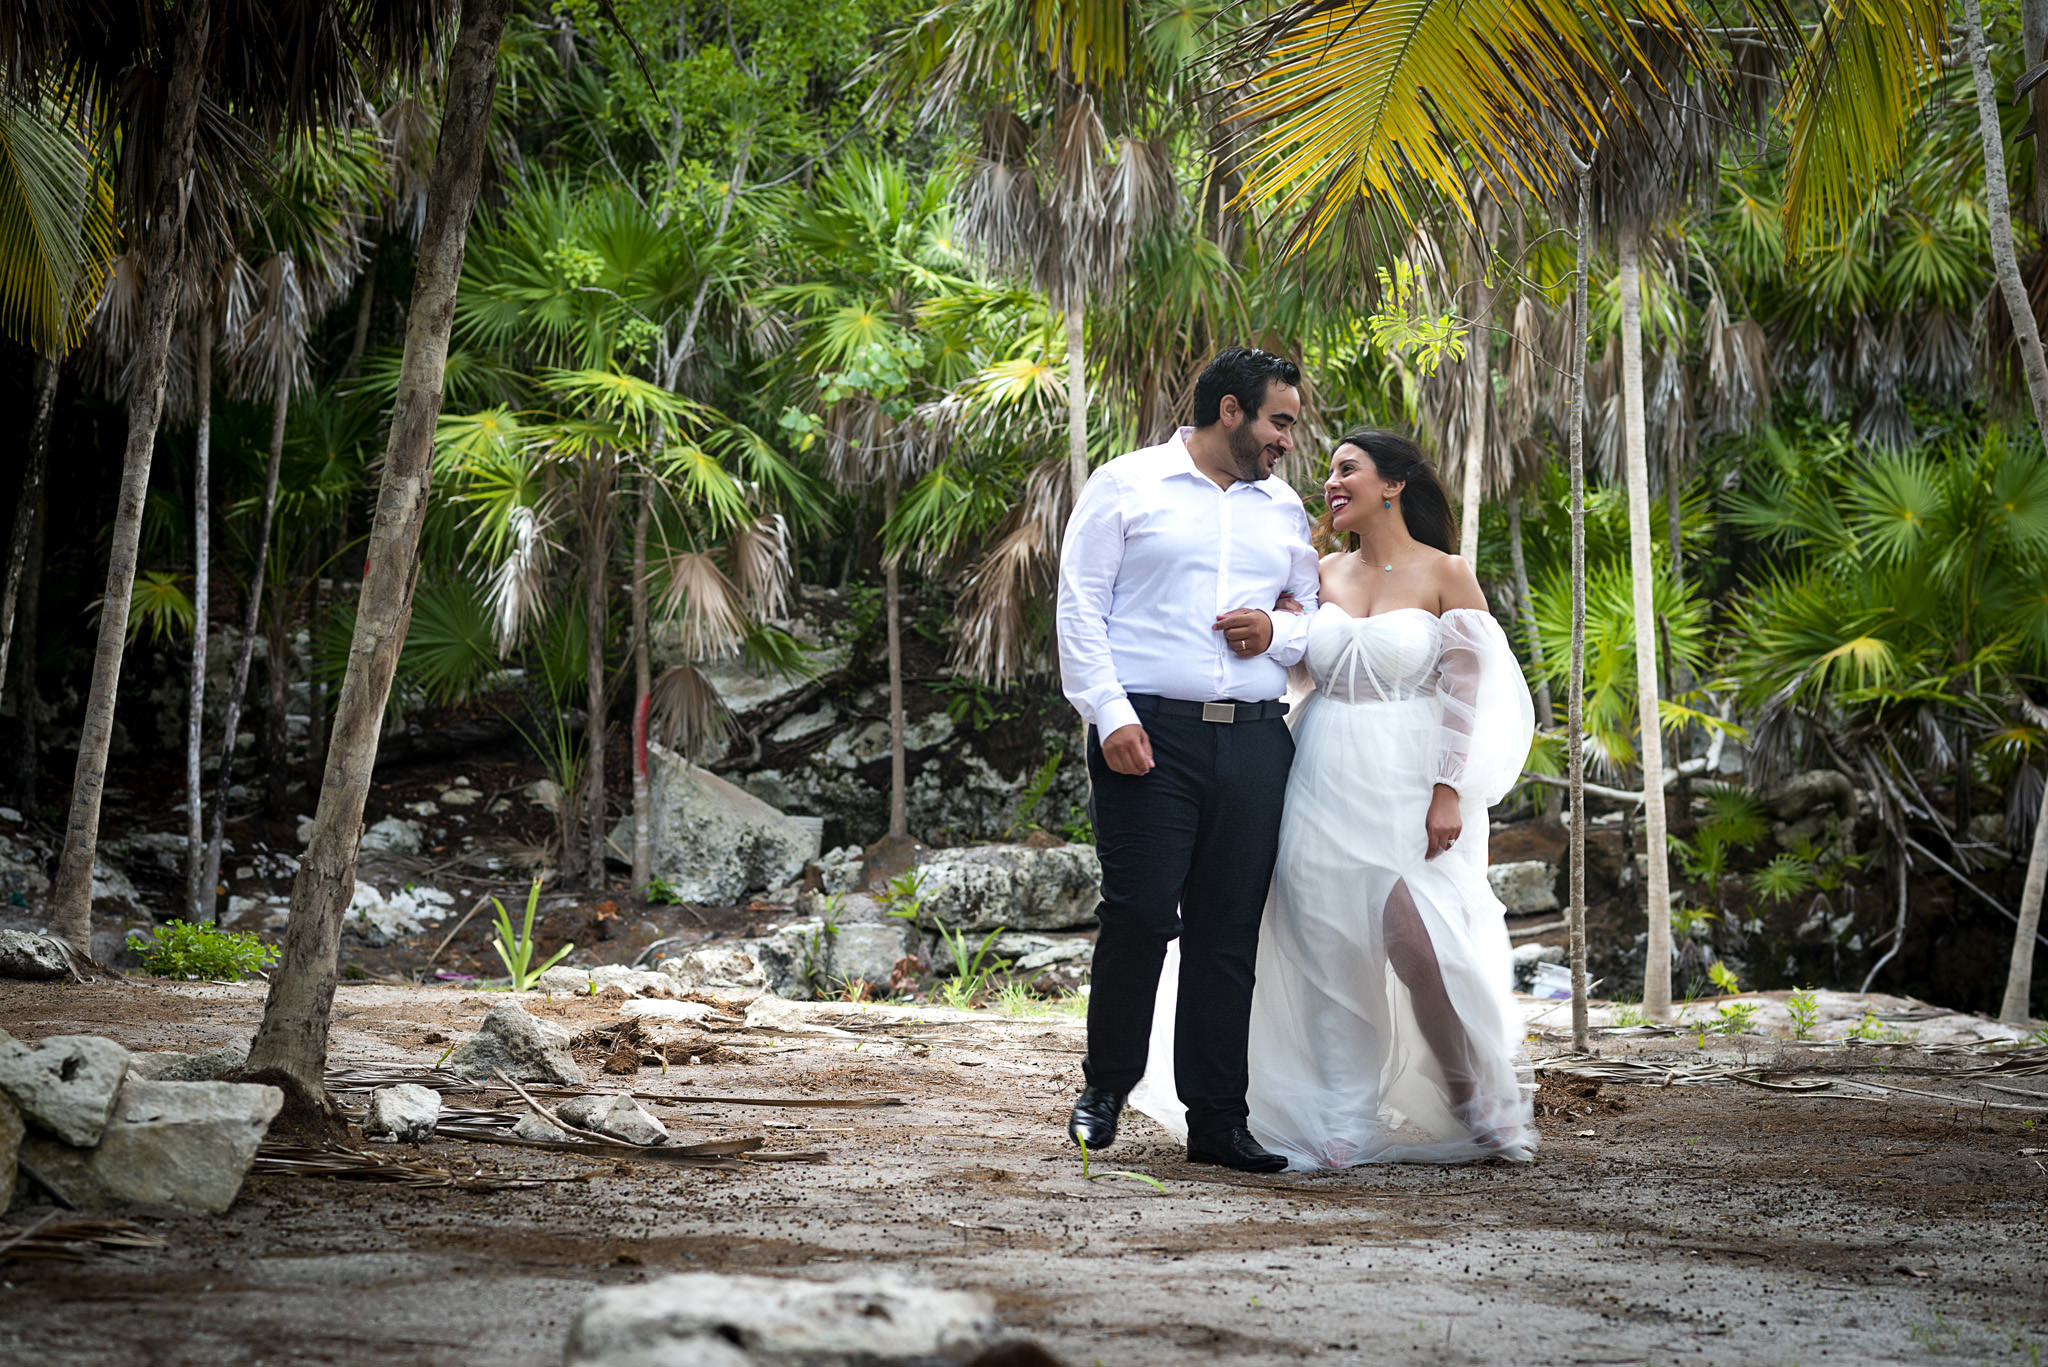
(56, 227)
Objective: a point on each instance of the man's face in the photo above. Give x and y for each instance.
(1259, 440)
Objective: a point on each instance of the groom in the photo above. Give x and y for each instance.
(1172, 560)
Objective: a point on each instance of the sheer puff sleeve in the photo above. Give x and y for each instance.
(1486, 718)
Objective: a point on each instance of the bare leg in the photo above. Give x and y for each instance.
(1414, 959)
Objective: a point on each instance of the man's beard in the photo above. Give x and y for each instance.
(1245, 452)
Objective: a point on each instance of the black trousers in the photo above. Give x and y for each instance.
(1196, 836)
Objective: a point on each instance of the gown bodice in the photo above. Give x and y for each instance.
(1387, 657)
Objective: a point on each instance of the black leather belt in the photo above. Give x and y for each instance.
(1225, 712)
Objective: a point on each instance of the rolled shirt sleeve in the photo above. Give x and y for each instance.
(1089, 559)
(1304, 581)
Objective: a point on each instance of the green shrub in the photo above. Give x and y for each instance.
(183, 949)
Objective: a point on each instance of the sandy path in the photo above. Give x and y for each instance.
(1710, 1224)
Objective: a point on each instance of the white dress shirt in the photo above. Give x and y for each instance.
(1154, 552)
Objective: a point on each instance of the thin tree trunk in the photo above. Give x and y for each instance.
(596, 568)
(362, 332)
(1077, 399)
(1546, 717)
(2005, 261)
(892, 592)
(196, 908)
(1657, 889)
(2034, 46)
(293, 1036)
(47, 372)
(1478, 386)
(316, 685)
(643, 695)
(71, 897)
(208, 905)
(28, 747)
(2019, 978)
(1575, 705)
(277, 677)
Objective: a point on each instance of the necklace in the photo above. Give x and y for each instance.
(1388, 568)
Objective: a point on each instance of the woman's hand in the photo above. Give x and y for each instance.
(1443, 822)
(1287, 602)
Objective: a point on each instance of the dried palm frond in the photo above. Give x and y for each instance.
(72, 1241)
(411, 128)
(1008, 587)
(706, 605)
(518, 585)
(758, 554)
(687, 715)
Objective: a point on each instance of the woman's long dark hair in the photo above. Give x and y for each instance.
(1425, 507)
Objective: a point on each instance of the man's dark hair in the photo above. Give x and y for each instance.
(1244, 371)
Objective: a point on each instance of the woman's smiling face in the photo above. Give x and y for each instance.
(1353, 486)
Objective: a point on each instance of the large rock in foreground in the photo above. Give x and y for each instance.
(709, 1318)
(66, 1084)
(186, 1144)
(713, 842)
(528, 1049)
(1016, 887)
(1524, 886)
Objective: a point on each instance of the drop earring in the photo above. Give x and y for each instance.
(1386, 503)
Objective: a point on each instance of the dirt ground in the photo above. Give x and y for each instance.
(1712, 1223)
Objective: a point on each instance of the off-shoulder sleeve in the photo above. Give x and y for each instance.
(1487, 717)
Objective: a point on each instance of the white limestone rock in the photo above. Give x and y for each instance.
(186, 1144)
(66, 1084)
(979, 888)
(29, 957)
(527, 1048)
(1524, 886)
(405, 1113)
(714, 842)
(615, 1117)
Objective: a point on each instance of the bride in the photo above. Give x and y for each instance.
(1382, 1026)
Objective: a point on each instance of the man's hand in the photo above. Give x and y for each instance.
(1247, 632)
(1128, 750)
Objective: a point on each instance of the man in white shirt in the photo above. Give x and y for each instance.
(1169, 648)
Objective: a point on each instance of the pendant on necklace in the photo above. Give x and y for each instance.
(1388, 568)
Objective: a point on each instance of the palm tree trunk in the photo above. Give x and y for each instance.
(596, 566)
(1478, 384)
(2034, 46)
(292, 1039)
(28, 743)
(1077, 398)
(643, 695)
(2019, 978)
(1657, 891)
(1575, 705)
(1546, 716)
(277, 677)
(316, 685)
(26, 512)
(892, 592)
(208, 904)
(202, 593)
(71, 897)
(363, 307)
(2005, 261)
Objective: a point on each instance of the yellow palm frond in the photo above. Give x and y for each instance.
(1868, 68)
(56, 226)
(1377, 100)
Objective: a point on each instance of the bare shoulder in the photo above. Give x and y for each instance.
(1457, 585)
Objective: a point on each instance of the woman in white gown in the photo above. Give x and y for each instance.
(1383, 1029)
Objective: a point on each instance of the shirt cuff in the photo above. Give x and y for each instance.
(1113, 716)
(1290, 637)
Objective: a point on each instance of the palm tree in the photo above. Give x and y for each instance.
(877, 255)
(1061, 198)
(154, 71)
(292, 1039)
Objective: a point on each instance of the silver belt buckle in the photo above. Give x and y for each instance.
(1224, 712)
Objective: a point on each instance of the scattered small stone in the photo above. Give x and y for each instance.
(531, 1126)
(615, 1117)
(718, 966)
(394, 835)
(634, 982)
(30, 957)
(870, 1320)
(528, 1049)
(65, 1084)
(405, 1113)
(545, 793)
(169, 1065)
(460, 797)
(423, 808)
(659, 1009)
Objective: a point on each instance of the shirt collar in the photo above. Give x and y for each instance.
(1188, 468)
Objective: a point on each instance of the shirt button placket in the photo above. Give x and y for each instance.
(1223, 568)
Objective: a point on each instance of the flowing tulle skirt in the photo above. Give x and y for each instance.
(1344, 1067)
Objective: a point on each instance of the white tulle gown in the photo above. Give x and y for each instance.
(1383, 1028)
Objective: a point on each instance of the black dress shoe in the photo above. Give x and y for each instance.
(1233, 1149)
(1094, 1119)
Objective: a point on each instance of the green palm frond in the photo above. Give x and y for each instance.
(159, 608)
(57, 237)
(449, 651)
(1396, 100)
(1866, 73)
(1894, 504)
